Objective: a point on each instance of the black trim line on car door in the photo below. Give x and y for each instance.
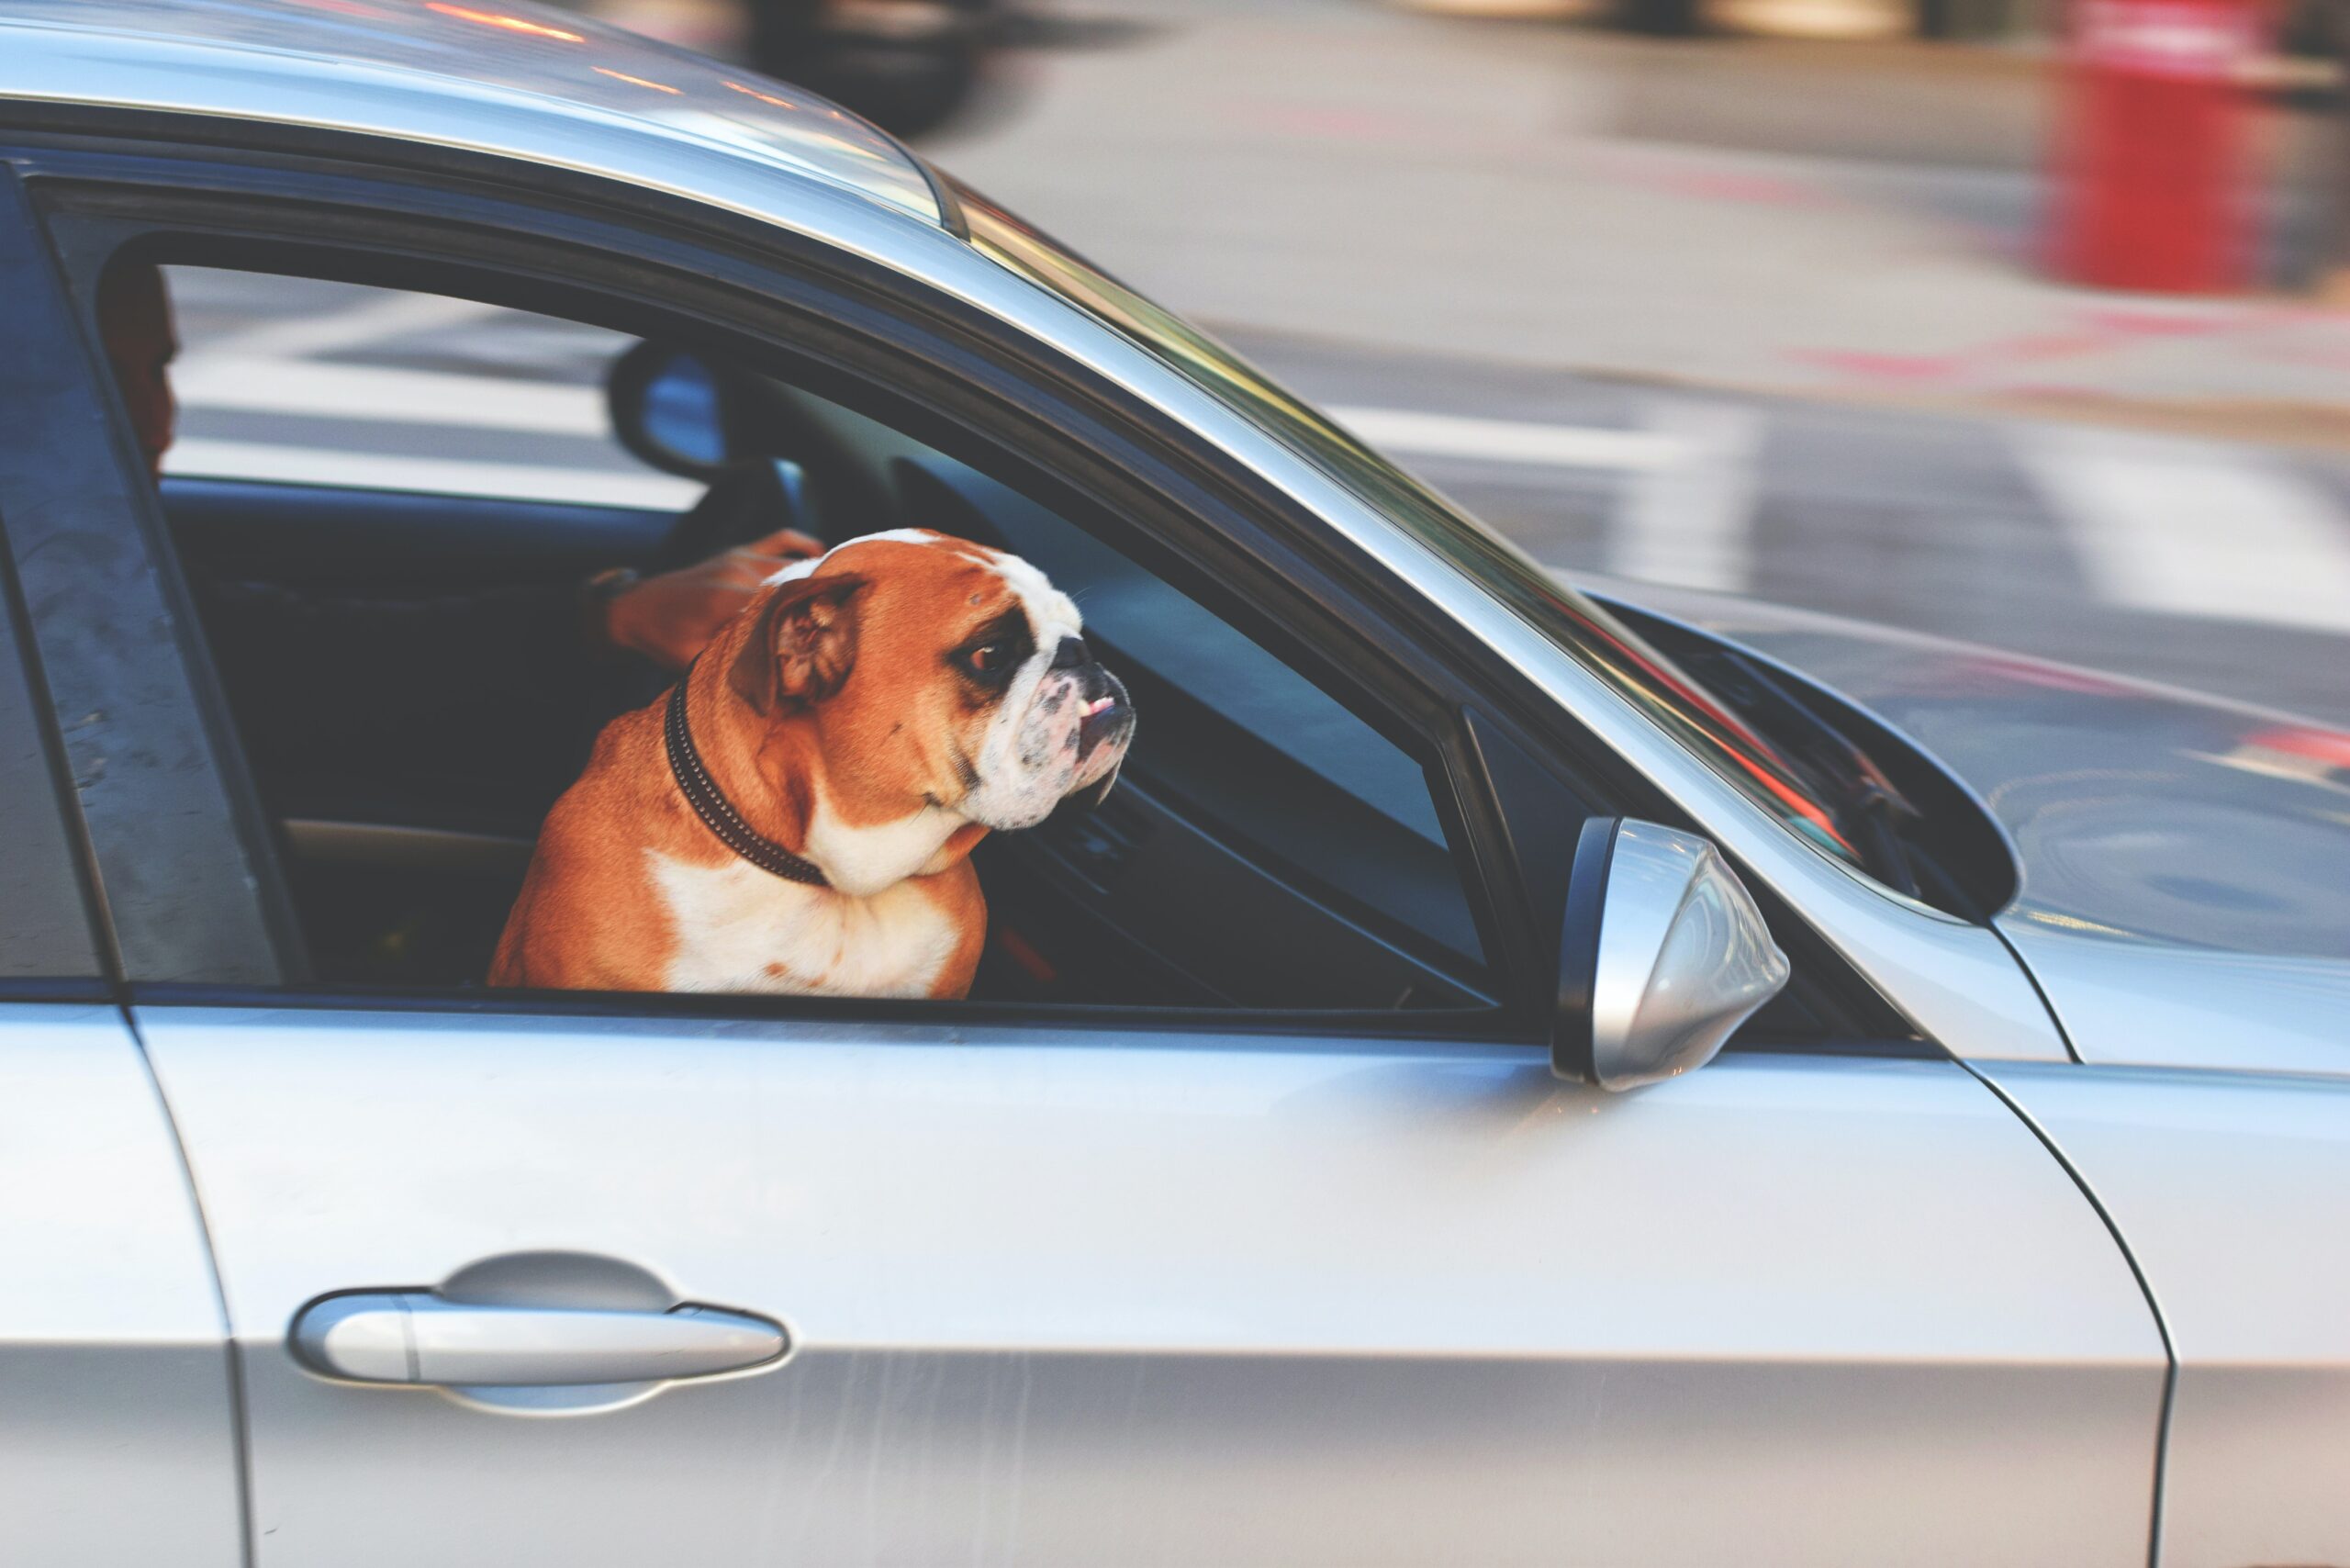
(1982, 1075)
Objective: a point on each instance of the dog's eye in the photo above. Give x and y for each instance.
(990, 662)
(992, 657)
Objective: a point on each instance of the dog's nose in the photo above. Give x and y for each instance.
(1072, 653)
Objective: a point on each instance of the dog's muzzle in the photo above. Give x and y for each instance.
(1105, 714)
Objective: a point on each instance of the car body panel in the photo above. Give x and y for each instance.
(2124, 1002)
(2186, 860)
(498, 77)
(1070, 1296)
(2232, 1190)
(118, 1428)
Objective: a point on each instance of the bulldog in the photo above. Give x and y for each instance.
(798, 813)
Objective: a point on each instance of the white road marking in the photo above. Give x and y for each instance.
(431, 475)
(382, 315)
(307, 387)
(1690, 522)
(1683, 517)
(273, 385)
(1415, 435)
(1686, 511)
(2195, 528)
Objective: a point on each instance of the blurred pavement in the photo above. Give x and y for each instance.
(1842, 219)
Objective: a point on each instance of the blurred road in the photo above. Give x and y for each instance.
(2212, 565)
(2218, 566)
(1859, 222)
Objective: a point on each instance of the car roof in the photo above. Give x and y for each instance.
(499, 76)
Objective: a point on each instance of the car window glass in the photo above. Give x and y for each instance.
(1162, 629)
(391, 507)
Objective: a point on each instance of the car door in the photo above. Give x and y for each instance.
(1064, 1295)
(1074, 1287)
(118, 1430)
(2232, 1190)
(117, 1425)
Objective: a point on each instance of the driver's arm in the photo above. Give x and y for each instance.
(672, 617)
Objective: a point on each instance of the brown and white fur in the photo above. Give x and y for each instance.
(876, 711)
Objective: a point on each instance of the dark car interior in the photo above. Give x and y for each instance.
(1264, 846)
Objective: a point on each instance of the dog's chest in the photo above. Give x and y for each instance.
(741, 929)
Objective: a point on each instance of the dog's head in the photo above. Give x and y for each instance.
(936, 673)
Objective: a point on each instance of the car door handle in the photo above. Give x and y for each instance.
(415, 1337)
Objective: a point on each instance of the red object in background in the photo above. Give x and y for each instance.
(2154, 175)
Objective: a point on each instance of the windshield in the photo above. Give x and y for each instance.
(1586, 631)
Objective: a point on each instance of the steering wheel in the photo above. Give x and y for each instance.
(686, 415)
(745, 502)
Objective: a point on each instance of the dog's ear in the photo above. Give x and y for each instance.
(802, 642)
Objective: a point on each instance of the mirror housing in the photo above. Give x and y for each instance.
(672, 408)
(1661, 956)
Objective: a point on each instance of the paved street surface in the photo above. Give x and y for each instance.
(1850, 221)
(2212, 565)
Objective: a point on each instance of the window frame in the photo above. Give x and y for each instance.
(51, 939)
(61, 472)
(53, 945)
(296, 213)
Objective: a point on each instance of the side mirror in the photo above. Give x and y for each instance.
(1661, 956)
(670, 408)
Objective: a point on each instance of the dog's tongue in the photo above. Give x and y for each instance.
(1095, 721)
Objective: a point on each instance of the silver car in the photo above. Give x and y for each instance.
(1513, 1075)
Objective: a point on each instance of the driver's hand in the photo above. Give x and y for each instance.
(671, 618)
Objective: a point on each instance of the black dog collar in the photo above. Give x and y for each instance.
(716, 811)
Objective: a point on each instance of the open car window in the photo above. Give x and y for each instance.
(1240, 739)
(1267, 846)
